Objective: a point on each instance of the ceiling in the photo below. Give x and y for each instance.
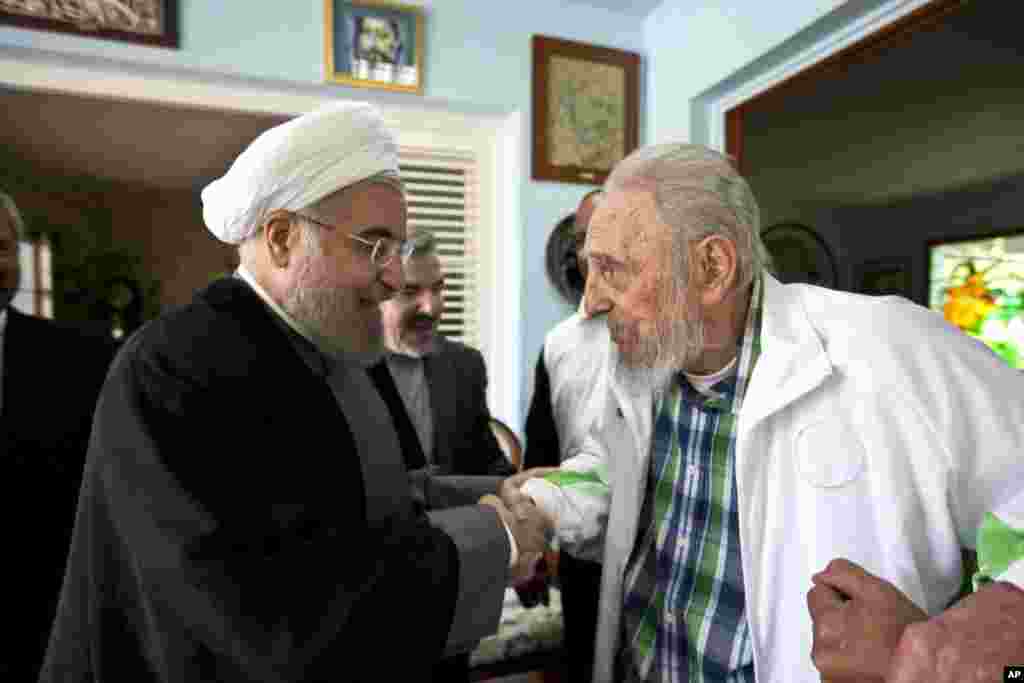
(637, 8)
(157, 145)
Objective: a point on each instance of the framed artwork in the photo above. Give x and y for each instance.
(799, 254)
(374, 44)
(889, 277)
(976, 282)
(585, 109)
(153, 22)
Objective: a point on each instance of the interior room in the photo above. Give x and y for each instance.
(899, 171)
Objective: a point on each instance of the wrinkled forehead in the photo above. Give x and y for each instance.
(625, 224)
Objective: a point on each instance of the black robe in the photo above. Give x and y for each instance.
(222, 530)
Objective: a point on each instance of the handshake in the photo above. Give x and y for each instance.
(531, 528)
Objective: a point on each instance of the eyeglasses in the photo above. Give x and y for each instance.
(382, 250)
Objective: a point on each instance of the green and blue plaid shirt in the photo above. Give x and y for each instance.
(684, 614)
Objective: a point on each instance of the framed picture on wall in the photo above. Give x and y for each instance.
(585, 109)
(374, 44)
(152, 22)
(887, 277)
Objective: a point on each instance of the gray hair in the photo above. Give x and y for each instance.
(697, 193)
(12, 210)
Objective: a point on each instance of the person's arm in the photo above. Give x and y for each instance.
(969, 398)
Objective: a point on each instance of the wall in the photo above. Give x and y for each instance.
(899, 231)
(696, 44)
(176, 244)
(478, 60)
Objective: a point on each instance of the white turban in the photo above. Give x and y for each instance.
(296, 164)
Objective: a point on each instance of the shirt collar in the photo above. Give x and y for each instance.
(250, 280)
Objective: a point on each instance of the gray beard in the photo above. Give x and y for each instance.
(319, 312)
(676, 346)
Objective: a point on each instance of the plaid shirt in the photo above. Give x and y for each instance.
(684, 615)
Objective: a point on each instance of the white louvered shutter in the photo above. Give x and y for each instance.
(442, 189)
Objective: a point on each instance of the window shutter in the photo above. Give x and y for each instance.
(442, 188)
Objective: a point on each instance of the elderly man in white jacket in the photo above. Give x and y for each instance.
(793, 470)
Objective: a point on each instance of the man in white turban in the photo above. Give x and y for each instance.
(245, 513)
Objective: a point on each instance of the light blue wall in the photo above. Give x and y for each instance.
(478, 59)
(696, 44)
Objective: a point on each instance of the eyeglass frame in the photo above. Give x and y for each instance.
(403, 249)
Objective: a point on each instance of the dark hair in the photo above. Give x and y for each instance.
(562, 265)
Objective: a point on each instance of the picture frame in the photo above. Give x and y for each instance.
(884, 278)
(586, 109)
(799, 254)
(375, 44)
(149, 22)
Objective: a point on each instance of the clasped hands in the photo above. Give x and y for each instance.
(530, 527)
(867, 630)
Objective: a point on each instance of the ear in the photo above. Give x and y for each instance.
(281, 234)
(715, 267)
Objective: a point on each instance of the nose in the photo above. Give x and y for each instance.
(430, 303)
(595, 299)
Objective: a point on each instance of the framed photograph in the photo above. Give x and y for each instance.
(152, 22)
(799, 254)
(585, 109)
(889, 277)
(374, 44)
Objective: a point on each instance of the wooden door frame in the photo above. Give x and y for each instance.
(864, 48)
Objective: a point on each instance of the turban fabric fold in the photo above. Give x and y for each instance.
(298, 163)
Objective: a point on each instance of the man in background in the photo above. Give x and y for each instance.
(435, 390)
(567, 373)
(435, 385)
(50, 376)
(246, 515)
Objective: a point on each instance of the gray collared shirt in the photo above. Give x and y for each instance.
(410, 377)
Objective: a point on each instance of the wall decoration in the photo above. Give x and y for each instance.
(153, 22)
(561, 263)
(882, 278)
(585, 109)
(374, 44)
(799, 254)
(978, 285)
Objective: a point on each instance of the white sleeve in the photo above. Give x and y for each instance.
(577, 498)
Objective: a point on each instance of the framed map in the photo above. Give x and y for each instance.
(153, 22)
(585, 109)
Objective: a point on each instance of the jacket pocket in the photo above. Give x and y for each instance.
(829, 454)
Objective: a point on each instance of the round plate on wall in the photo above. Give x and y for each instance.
(799, 255)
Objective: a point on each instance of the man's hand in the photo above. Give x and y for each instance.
(530, 528)
(971, 641)
(509, 491)
(858, 619)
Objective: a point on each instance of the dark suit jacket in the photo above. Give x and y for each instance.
(51, 377)
(463, 441)
(222, 533)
